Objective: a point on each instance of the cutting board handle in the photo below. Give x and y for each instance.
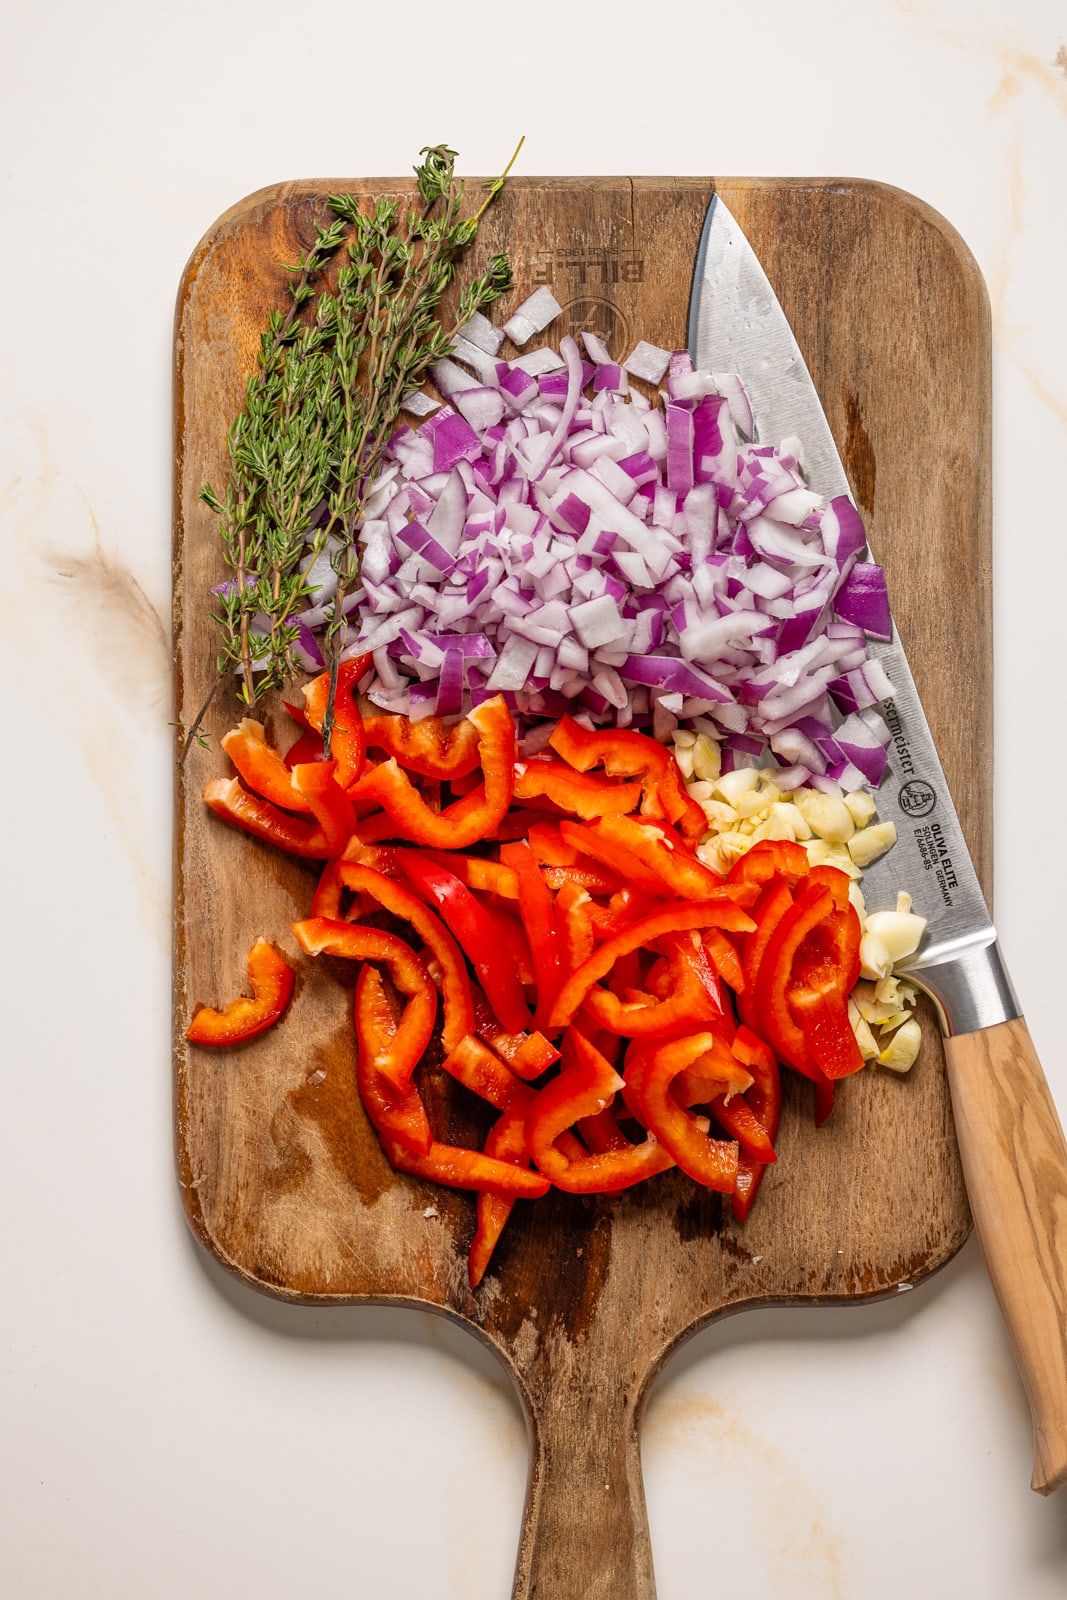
(585, 1528)
(1015, 1164)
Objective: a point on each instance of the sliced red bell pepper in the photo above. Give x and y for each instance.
(454, 983)
(825, 970)
(481, 1070)
(477, 934)
(431, 746)
(538, 914)
(770, 858)
(316, 783)
(347, 743)
(459, 1168)
(506, 1141)
(260, 766)
(626, 866)
(772, 1018)
(675, 919)
(624, 753)
(307, 746)
(651, 1069)
(271, 980)
(574, 792)
(254, 815)
(397, 1059)
(398, 1117)
(677, 868)
(527, 1054)
(466, 821)
(765, 1099)
(692, 995)
(775, 900)
(326, 901)
(585, 1086)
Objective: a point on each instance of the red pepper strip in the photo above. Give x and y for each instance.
(765, 1098)
(650, 1071)
(585, 1086)
(347, 744)
(326, 901)
(602, 1133)
(692, 997)
(771, 1010)
(382, 857)
(527, 1054)
(774, 901)
(306, 746)
(573, 791)
(771, 858)
(506, 1141)
(626, 754)
(825, 969)
(722, 953)
(258, 817)
(459, 1168)
(538, 914)
(577, 938)
(587, 878)
(271, 980)
(511, 936)
(549, 846)
(629, 867)
(321, 936)
(824, 1100)
(481, 1070)
(399, 1120)
(704, 914)
(477, 934)
(679, 871)
(316, 782)
(430, 747)
(466, 821)
(519, 821)
(455, 985)
(477, 872)
(261, 767)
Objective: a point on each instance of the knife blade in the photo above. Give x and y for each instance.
(1011, 1143)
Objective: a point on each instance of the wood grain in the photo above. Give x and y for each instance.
(281, 1176)
(1015, 1163)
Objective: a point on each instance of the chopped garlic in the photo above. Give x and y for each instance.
(706, 760)
(870, 843)
(826, 815)
(860, 807)
(864, 1037)
(730, 786)
(902, 1049)
(899, 931)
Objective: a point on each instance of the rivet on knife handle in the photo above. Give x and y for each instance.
(1015, 1164)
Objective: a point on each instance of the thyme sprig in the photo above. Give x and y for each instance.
(333, 368)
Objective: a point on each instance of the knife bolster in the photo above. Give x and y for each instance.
(970, 988)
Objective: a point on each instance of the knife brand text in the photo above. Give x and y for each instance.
(900, 742)
(936, 859)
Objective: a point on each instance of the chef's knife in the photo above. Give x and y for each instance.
(1011, 1143)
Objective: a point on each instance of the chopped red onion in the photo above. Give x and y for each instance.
(535, 313)
(552, 536)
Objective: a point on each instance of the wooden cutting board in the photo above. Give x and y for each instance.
(281, 1175)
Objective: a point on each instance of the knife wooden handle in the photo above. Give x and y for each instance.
(1015, 1164)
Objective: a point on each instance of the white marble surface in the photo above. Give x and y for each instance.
(166, 1432)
